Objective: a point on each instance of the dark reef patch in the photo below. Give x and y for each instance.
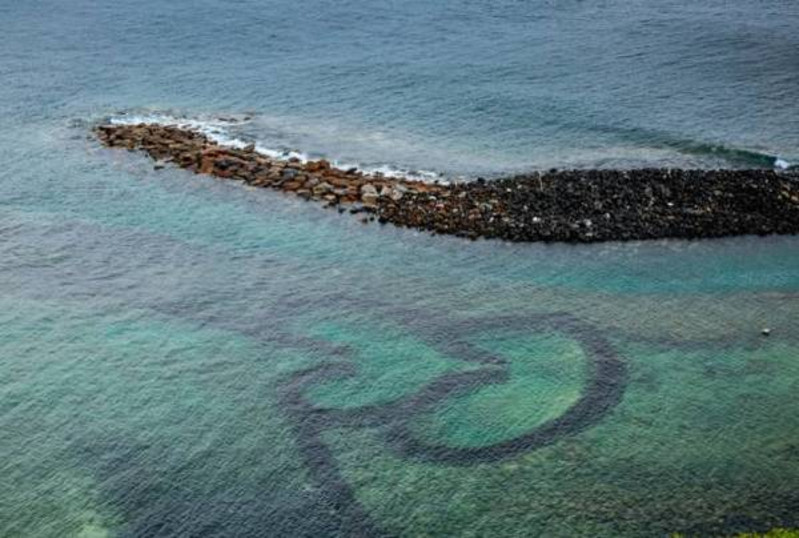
(602, 392)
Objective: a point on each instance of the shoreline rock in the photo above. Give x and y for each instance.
(566, 206)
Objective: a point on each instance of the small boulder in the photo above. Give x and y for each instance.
(289, 173)
(317, 166)
(369, 195)
(292, 185)
(322, 188)
(369, 200)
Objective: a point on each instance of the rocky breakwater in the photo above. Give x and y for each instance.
(569, 206)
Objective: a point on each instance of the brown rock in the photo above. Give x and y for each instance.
(291, 185)
(322, 188)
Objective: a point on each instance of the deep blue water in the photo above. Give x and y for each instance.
(452, 86)
(182, 356)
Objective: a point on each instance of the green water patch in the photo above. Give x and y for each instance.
(700, 445)
(55, 502)
(700, 319)
(546, 377)
(773, 533)
(389, 363)
(113, 422)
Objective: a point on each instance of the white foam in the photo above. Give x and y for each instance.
(213, 129)
(216, 130)
(782, 164)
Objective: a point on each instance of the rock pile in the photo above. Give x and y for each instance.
(569, 206)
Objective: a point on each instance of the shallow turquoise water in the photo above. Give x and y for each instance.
(187, 357)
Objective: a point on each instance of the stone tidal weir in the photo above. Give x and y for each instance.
(567, 206)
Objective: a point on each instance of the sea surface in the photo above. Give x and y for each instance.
(184, 356)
